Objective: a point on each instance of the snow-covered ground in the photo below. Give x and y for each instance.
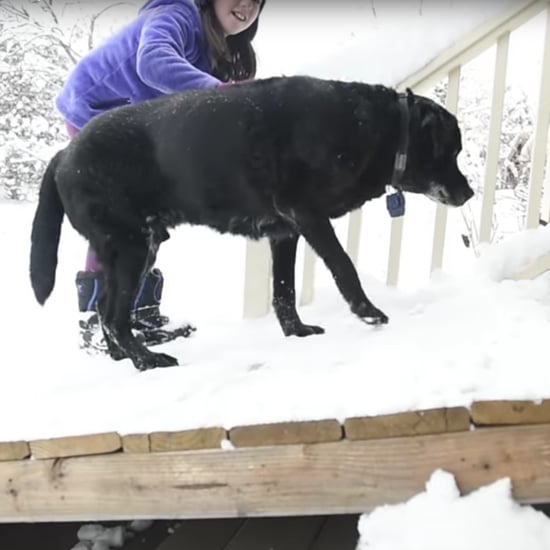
(465, 335)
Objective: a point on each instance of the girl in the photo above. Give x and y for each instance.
(172, 45)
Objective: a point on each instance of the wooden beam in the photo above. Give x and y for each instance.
(136, 443)
(508, 413)
(78, 445)
(14, 450)
(286, 433)
(432, 421)
(188, 440)
(325, 478)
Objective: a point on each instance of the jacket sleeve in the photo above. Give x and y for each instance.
(161, 57)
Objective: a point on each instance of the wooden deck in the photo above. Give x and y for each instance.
(289, 469)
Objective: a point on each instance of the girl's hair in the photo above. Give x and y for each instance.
(232, 57)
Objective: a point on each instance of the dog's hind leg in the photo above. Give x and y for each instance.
(319, 233)
(105, 307)
(283, 252)
(123, 276)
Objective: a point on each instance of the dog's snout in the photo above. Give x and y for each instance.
(467, 194)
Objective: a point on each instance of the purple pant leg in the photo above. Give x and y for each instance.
(91, 259)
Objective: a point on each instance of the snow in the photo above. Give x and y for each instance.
(441, 519)
(459, 337)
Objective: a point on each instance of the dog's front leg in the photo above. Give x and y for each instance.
(283, 252)
(319, 233)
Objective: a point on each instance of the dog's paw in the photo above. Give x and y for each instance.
(370, 314)
(302, 330)
(376, 320)
(154, 361)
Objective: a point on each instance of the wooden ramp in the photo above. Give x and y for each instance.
(289, 469)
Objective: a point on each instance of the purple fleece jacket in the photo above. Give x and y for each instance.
(164, 50)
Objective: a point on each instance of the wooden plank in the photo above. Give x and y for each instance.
(136, 443)
(338, 532)
(495, 413)
(288, 533)
(14, 450)
(188, 440)
(286, 433)
(213, 534)
(328, 478)
(81, 445)
(433, 421)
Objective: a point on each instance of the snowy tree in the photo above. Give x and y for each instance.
(474, 117)
(40, 41)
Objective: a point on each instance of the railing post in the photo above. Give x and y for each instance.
(394, 260)
(354, 235)
(493, 147)
(440, 226)
(541, 136)
(308, 276)
(257, 279)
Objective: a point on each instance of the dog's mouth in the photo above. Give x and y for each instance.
(441, 195)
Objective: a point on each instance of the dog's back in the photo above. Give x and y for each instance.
(212, 157)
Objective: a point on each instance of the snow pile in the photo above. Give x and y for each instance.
(440, 519)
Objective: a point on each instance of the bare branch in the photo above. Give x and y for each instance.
(94, 19)
(48, 7)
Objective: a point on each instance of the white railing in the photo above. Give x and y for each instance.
(448, 65)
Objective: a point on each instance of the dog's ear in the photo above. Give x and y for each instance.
(410, 97)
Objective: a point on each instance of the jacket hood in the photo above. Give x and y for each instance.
(151, 4)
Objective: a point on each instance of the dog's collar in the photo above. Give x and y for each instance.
(395, 202)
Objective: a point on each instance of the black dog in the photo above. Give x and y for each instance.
(275, 158)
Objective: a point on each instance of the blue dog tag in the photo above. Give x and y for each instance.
(395, 203)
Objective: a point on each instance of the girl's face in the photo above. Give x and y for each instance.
(236, 16)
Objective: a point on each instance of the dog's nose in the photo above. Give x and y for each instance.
(466, 195)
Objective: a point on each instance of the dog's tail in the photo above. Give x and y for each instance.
(46, 231)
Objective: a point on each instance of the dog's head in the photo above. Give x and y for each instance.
(434, 144)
